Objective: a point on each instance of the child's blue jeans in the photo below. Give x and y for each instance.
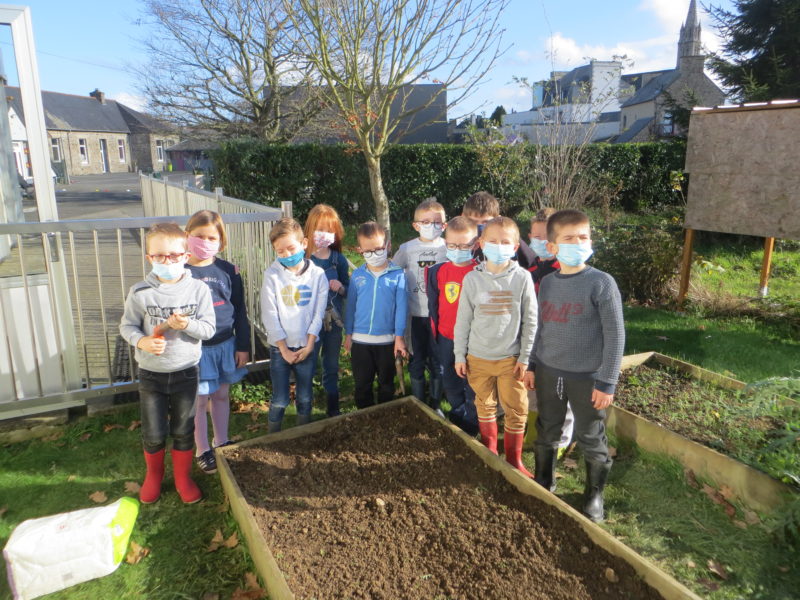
(279, 371)
(456, 389)
(166, 402)
(328, 347)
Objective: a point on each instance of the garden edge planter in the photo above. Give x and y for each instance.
(275, 582)
(752, 487)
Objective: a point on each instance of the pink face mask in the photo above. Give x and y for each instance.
(323, 239)
(202, 249)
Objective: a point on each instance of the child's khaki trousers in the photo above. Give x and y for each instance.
(486, 376)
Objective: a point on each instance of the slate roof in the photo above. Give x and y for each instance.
(193, 145)
(67, 112)
(633, 130)
(653, 88)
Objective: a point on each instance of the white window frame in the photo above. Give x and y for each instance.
(83, 150)
(160, 151)
(56, 150)
(121, 150)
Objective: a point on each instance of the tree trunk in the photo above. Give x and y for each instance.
(378, 193)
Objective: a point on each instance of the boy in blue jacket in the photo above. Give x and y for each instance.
(375, 317)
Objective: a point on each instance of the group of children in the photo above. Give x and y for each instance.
(500, 326)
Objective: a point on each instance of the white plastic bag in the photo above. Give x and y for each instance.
(51, 553)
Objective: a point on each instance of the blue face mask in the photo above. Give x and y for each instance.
(293, 260)
(539, 248)
(169, 271)
(480, 228)
(498, 253)
(459, 256)
(573, 255)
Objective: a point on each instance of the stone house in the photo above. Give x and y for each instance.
(91, 135)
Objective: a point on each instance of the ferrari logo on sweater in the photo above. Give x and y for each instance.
(452, 291)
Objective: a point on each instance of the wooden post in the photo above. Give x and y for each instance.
(686, 266)
(286, 208)
(769, 245)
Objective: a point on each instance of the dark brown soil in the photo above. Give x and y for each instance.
(389, 504)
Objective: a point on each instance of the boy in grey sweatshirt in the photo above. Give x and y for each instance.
(576, 355)
(494, 332)
(166, 317)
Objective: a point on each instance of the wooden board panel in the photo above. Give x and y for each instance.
(743, 171)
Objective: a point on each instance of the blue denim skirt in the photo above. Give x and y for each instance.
(218, 366)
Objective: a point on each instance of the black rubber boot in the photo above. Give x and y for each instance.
(333, 405)
(596, 475)
(303, 419)
(418, 389)
(436, 395)
(545, 458)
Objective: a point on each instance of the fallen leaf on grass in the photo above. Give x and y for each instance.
(611, 575)
(254, 416)
(210, 596)
(559, 475)
(691, 478)
(236, 438)
(730, 509)
(717, 569)
(134, 425)
(727, 493)
(663, 338)
(612, 451)
(251, 581)
(132, 487)
(111, 427)
(570, 463)
(711, 586)
(751, 518)
(136, 553)
(3, 510)
(98, 497)
(240, 594)
(223, 508)
(85, 437)
(256, 426)
(52, 438)
(783, 569)
(72, 478)
(232, 541)
(691, 564)
(713, 494)
(216, 541)
(739, 524)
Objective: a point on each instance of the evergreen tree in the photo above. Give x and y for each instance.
(497, 115)
(760, 56)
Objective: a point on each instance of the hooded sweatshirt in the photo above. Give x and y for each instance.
(293, 303)
(496, 314)
(151, 302)
(377, 304)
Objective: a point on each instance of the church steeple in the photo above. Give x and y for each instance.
(689, 41)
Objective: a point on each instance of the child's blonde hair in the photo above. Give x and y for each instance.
(171, 231)
(284, 227)
(543, 214)
(429, 204)
(323, 215)
(461, 224)
(503, 223)
(208, 217)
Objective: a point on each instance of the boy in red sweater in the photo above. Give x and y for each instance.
(444, 290)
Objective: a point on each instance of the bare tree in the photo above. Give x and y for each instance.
(371, 52)
(228, 66)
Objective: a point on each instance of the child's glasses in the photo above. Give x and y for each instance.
(163, 258)
(461, 246)
(436, 224)
(378, 252)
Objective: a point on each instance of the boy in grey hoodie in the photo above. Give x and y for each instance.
(166, 317)
(494, 333)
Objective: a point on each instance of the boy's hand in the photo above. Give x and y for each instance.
(400, 346)
(519, 371)
(335, 285)
(242, 358)
(152, 344)
(304, 353)
(461, 369)
(177, 321)
(529, 380)
(601, 400)
(348, 343)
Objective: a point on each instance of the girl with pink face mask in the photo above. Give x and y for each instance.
(324, 232)
(224, 356)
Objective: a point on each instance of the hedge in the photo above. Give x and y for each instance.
(308, 174)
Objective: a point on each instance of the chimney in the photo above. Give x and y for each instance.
(98, 95)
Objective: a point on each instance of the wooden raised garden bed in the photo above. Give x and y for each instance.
(751, 486)
(394, 502)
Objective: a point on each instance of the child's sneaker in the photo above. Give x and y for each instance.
(207, 462)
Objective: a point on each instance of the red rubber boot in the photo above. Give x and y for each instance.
(488, 431)
(182, 468)
(513, 446)
(151, 488)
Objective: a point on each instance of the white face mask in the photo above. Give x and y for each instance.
(431, 231)
(376, 259)
(169, 271)
(323, 239)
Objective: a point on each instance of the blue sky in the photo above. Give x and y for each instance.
(87, 44)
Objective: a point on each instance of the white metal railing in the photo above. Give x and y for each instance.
(57, 352)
